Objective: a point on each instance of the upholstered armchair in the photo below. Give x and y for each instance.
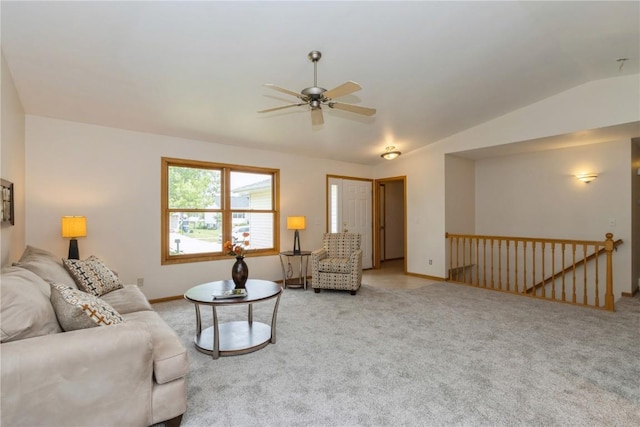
(338, 264)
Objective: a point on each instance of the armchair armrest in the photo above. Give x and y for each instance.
(317, 256)
(100, 376)
(356, 260)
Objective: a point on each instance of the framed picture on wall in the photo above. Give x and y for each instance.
(7, 202)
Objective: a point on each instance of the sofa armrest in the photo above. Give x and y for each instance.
(96, 376)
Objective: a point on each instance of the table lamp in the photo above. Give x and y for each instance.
(296, 223)
(74, 227)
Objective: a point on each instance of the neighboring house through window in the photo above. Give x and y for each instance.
(206, 204)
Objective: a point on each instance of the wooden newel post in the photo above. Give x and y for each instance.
(608, 297)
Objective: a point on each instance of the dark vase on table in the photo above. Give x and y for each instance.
(240, 272)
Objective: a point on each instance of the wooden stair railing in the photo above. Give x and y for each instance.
(536, 267)
(566, 270)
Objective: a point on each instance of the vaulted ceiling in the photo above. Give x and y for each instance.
(197, 69)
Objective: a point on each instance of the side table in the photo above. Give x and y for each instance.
(287, 271)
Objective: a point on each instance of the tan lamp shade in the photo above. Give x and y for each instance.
(74, 226)
(296, 222)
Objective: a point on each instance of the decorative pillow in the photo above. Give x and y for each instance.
(24, 307)
(92, 276)
(45, 265)
(79, 310)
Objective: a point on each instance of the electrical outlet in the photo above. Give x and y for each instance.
(430, 262)
(140, 282)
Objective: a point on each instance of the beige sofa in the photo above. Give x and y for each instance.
(126, 374)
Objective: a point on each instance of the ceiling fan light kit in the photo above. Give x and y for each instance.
(315, 97)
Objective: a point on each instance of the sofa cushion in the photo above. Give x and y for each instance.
(127, 300)
(25, 309)
(169, 355)
(92, 275)
(46, 265)
(335, 265)
(79, 310)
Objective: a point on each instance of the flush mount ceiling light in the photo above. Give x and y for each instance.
(586, 177)
(390, 153)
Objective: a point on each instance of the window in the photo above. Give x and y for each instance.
(206, 204)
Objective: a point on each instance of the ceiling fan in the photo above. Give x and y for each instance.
(315, 96)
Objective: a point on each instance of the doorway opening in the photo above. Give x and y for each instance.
(390, 221)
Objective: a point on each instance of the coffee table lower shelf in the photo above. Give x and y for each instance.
(235, 338)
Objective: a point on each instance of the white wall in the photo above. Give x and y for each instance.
(12, 167)
(112, 176)
(543, 198)
(593, 105)
(460, 195)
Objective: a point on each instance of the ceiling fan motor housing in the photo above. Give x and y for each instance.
(314, 92)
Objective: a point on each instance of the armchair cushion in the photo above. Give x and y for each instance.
(335, 265)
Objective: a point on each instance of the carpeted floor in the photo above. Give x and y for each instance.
(442, 354)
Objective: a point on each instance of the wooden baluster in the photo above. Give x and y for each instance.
(573, 250)
(500, 264)
(597, 301)
(543, 276)
(553, 271)
(564, 293)
(508, 272)
(585, 300)
(533, 262)
(446, 235)
(464, 259)
(457, 257)
(515, 250)
(524, 261)
(484, 262)
(608, 297)
(492, 281)
(477, 262)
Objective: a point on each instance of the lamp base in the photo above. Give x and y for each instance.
(296, 243)
(74, 252)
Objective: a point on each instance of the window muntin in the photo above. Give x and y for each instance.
(205, 204)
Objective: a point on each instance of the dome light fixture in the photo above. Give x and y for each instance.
(390, 153)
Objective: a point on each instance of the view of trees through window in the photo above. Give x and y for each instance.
(207, 204)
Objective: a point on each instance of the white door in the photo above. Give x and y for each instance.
(350, 207)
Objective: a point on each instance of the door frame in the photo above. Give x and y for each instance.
(377, 250)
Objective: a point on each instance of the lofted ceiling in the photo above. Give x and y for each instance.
(197, 69)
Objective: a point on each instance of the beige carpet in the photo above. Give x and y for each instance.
(439, 355)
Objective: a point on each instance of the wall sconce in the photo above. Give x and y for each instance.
(296, 223)
(74, 227)
(390, 153)
(586, 177)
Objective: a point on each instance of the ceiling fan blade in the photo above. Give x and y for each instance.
(342, 90)
(283, 90)
(280, 108)
(353, 108)
(316, 117)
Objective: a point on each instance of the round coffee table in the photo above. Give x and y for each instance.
(239, 337)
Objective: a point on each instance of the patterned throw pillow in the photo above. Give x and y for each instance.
(92, 275)
(79, 310)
